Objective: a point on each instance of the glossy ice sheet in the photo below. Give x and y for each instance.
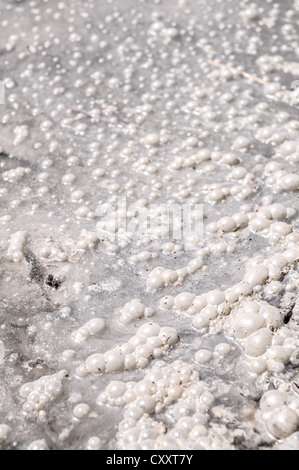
(91, 80)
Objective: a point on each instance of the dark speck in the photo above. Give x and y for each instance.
(52, 282)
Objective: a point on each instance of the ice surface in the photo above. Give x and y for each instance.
(85, 83)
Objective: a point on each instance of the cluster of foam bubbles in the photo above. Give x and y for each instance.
(135, 310)
(150, 342)
(41, 392)
(91, 328)
(174, 386)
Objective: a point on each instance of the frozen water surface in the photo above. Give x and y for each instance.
(155, 102)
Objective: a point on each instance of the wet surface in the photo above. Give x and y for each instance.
(168, 103)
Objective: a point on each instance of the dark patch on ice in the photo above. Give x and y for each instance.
(39, 275)
(4, 155)
(288, 312)
(52, 282)
(37, 272)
